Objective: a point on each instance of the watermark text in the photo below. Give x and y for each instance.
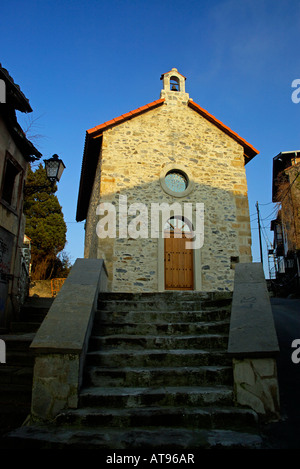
(2, 92)
(2, 351)
(138, 220)
(296, 353)
(296, 92)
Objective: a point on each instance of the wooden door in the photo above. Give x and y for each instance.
(178, 264)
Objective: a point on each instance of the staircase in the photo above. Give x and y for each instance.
(156, 376)
(16, 375)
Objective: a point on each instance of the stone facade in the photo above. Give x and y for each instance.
(12, 224)
(15, 154)
(290, 207)
(135, 155)
(286, 226)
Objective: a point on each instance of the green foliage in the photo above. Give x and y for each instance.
(45, 223)
(61, 266)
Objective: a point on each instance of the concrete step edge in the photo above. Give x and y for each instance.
(142, 439)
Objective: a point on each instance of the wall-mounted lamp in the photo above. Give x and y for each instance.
(54, 168)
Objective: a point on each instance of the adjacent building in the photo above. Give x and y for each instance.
(16, 152)
(163, 191)
(286, 226)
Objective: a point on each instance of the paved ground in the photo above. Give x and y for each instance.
(286, 434)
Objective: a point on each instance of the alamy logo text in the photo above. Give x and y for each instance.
(296, 353)
(2, 92)
(296, 92)
(138, 220)
(2, 351)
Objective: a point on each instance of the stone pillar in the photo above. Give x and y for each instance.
(62, 340)
(253, 343)
(256, 386)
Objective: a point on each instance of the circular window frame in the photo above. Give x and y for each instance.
(181, 169)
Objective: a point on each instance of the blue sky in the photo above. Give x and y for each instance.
(83, 63)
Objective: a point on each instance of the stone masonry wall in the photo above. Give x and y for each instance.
(12, 226)
(133, 156)
(290, 210)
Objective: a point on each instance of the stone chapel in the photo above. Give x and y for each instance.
(155, 179)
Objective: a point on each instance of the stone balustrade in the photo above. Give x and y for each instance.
(60, 344)
(253, 343)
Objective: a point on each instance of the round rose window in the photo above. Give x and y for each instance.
(176, 181)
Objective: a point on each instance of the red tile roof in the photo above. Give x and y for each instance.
(249, 150)
(117, 120)
(93, 145)
(170, 72)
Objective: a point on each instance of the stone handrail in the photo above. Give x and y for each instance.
(252, 330)
(253, 343)
(60, 344)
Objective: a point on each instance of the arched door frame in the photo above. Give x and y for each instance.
(161, 264)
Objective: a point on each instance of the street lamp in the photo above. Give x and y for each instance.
(54, 168)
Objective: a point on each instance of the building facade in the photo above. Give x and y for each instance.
(163, 191)
(286, 226)
(16, 151)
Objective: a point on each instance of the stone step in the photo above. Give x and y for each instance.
(18, 352)
(21, 358)
(156, 305)
(160, 317)
(15, 375)
(163, 439)
(17, 394)
(166, 296)
(151, 358)
(19, 341)
(150, 328)
(15, 397)
(137, 342)
(206, 417)
(161, 396)
(36, 305)
(12, 416)
(35, 309)
(158, 376)
(24, 327)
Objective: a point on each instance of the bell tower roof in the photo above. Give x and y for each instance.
(173, 82)
(174, 70)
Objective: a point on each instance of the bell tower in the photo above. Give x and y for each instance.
(173, 85)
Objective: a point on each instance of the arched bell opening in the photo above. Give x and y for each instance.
(174, 84)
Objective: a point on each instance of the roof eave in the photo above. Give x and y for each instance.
(14, 95)
(95, 132)
(249, 151)
(92, 147)
(99, 129)
(170, 71)
(92, 135)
